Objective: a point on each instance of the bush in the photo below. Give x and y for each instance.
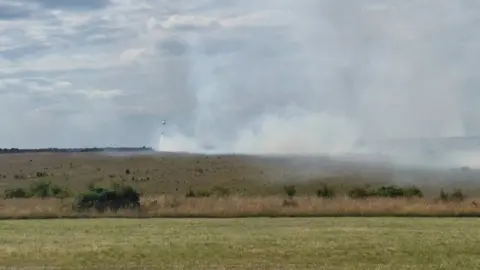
(290, 191)
(19, 176)
(221, 191)
(413, 192)
(443, 195)
(190, 194)
(101, 199)
(42, 174)
(15, 193)
(386, 191)
(456, 196)
(326, 192)
(358, 193)
(43, 189)
(199, 194)
(38, 189)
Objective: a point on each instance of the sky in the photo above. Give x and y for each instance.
(241, 76)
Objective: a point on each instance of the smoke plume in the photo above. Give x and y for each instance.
(325, 75)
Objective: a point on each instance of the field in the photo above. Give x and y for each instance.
(259, 243)
(233, 187)
(175, 173)
(238, 186)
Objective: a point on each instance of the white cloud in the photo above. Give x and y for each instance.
(131, 54)
(62, 84)
(178, 22)
(101, 94)
(151, 23)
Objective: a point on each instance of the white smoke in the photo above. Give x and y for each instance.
(338, 72)
(298, 132)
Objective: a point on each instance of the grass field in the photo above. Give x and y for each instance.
(175, 174)
(255, 188)
(261, 243)
(255, 185)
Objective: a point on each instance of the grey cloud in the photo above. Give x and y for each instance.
(22, 51)
(10, 12)
(96, 32)
(72, 4)
(173, 46)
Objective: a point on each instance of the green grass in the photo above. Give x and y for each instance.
(281, 243)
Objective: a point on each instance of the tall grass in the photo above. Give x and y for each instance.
(236, 206)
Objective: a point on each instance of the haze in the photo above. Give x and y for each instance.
(272, 76)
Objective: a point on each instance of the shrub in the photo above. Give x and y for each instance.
(42, 174)
(15, 193)
(456, 196)
(190, 194)
(19, 176)
(413, 192)
(358, 193)
(290, 190)
(221, 191)
(101, 199)
(59, 192)
(388, 191)
(43, 189)
(203, 193)
(391, 191)
(443, 195)
(39, 189)
(47, 189)
(325, 192)
(199, 194)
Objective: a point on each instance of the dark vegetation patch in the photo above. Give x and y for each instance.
(325, 191)
(38, 189)
(102, 199)
(456, 196)
(390, 191)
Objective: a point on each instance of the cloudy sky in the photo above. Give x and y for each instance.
(247, 75)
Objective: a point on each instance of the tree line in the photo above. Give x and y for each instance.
(74, 150)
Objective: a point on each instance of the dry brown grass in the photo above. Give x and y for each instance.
(272, 206)
(256, 185)
(175, 174)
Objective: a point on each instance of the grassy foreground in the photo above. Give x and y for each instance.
(282, 243)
